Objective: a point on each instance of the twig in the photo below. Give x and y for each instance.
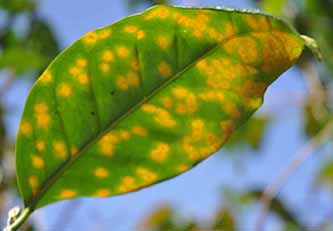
(304, 154)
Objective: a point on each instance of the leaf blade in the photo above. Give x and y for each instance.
(173, 100)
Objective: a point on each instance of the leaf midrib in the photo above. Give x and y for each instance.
(32, 202)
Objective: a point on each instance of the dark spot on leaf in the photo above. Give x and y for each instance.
(92, 113)
(112, 92)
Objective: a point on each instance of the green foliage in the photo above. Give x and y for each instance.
(165, 218)
(273, 6)
(278, 207)
(325, 175)
(15, 6)
(42, 41)
(250, 135)
(145, 99)
(315, 117)
(224, 220)
(20, 60)
(28, 52)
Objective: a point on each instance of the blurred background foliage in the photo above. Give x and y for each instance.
(28, 44)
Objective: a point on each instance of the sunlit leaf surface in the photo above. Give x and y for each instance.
(145, 99)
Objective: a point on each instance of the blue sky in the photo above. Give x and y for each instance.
(196, 193)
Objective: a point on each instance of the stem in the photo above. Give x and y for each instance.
(19, 221)
(313, 46)
(304, 154)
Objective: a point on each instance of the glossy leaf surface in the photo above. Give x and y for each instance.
(145, 99)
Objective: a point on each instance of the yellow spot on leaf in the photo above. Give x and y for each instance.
(122, 83)
(149, 108)
(186, 100)
(102, 193)
(131, 29)
(74, 71)
(135, 65)
(101, 172)
(140, 35)
(83, 79)
(197, 129)
(46, 77)
(162, 116)
(164, 69)
(33, 182)
(133, 79)
(106, 145)
(43, 120)
(40, 145)
(103, 34)
(189, 148)
(248, 52)
(59, 149)
(127, 184)
(229, 30)
(124, 135)
(122, 52)
(41, 108)
(182, 167)
(25, 128)
(139, 131)
(90, 38)
(81, 62)
(104, 67)
(215, 35)
(65, 90)
(257, 23)
(146, 175)
(110, 137)
(232, 110)
(166, 102)
(163, 42)
(212, 96)
(107, 149)
(292, 45)
(67, 193)
(107, 56)
(161, 12)
(227, 127)
(41, 114)
(74, 151)
(37, 162)
(202, 64)
(160, 152)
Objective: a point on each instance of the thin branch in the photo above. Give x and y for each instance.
(304, 154)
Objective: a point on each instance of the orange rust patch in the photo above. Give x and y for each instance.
(67, 193)
(164, 69)
(102, 193)
(101, 173)
(160, 152)
(25, 128)
(37, 162)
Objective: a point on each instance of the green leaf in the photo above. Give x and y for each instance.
(20, 59)
(17, 5)
(41, 40)
(145, 99)
(273, 6)
(325, 176)
(224, 220)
